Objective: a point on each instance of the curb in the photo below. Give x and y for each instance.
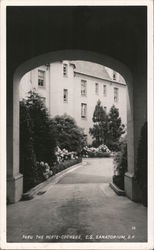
(117, 190)
(52, 180)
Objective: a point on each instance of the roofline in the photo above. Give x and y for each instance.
(100, 78)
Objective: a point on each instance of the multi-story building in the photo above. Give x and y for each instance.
(74, 87)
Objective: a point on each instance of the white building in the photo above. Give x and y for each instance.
(74, 87)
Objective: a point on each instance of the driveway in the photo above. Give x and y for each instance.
(81, 207)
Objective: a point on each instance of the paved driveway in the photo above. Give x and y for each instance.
(81, 207)
(97, 170)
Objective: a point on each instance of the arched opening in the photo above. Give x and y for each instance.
(15, 179)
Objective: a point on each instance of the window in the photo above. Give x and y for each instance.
(116, 94)
(104, 90)
(83, 88)
(114, 75)
(41, 78)
(83, 110)
(65, 96)
(96, 88)
(65, 69)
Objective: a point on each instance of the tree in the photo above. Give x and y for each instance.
(27, 154)
(37, 139)
(68, 134)
(43, 132)
(99, 130)
(115, 126)
(107, 129)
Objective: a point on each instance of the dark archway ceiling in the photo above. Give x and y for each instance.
(119, 32)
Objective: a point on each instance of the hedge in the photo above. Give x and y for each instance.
(65, 164)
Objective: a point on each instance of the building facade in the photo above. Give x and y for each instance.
(74, 87)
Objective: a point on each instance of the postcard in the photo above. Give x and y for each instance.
(77, 124)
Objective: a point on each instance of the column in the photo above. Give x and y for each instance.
(14, 178)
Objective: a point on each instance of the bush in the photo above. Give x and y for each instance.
(68, 134)
(43, 132)
(65, 154)
(101, 151)
(98, 154)
(58, 167)
(120, 166)
(37, 140)
(42, 172)
(141, 172)
(103, 154)
(114, 146)
(27, 153)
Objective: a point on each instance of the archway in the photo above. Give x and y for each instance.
(15, 178)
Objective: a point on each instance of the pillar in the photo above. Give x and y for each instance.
(136, 113)
(14, 178)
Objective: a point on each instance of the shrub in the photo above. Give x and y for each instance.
(58, 167)
(101, 151)
(27, 153)
(37, 139)
(104, 154)
(114, 146)
(141, 172)
(43, 133)
(98, 154)
(120, 166)
(65, 154)
(42, 172)
(68, 134)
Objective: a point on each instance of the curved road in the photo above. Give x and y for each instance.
(81, 207)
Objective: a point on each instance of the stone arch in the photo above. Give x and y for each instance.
(14, 187)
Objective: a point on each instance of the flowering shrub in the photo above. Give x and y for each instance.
(42, 172)
(65, 159)
(101, 151)
(58, 167)
(64, 154)
(103, 148)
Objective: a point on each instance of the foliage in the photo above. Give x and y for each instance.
(58, 167)
(107, 128)
(37, 140)
(101, 151)
(39, 136)
(115, 126)
(27, 154)
(65, 155)
(120, 166)
(43, 132)
(99, 130)
(68, 134)
(42, 172)
(141, 172)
